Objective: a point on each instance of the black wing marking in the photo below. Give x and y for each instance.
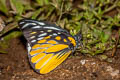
(28, 24)
(33, 28)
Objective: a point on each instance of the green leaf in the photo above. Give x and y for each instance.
(104, 37)
(4, 43)
(12, 35)
(50, 11)
(43, 2)
(17, 6)
(3, 6)
(36, 13)
(98, 51)
(3, 51)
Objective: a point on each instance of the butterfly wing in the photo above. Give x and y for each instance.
(44, 62)
(47, 47)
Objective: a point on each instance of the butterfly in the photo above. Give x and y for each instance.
(48, 45)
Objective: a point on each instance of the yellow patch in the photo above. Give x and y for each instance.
(36, 46)
(58, 38)
(45, 45)
(56, 48)
(50, 63)
(53, 63)
(37, 57)
(47, 37)
(33, 32)
(37, 51)
(65, 40)
(52, 42)
(72, 41)
(42, 61)
(41, 41)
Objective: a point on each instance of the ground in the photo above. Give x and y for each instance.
(15, 66)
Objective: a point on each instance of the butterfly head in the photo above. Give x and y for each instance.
(78, 38)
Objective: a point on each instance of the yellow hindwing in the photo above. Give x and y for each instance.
(50, 62)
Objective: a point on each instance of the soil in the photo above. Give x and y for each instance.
(15, 66)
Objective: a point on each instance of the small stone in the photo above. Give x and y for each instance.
(109, 60)
(103, 57)
(33, 79)
(83, 62)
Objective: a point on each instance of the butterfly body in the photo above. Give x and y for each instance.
(48, 44)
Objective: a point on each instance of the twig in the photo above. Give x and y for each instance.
(61, 11)
(9, 27)
(116, 44)
(112, 7)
